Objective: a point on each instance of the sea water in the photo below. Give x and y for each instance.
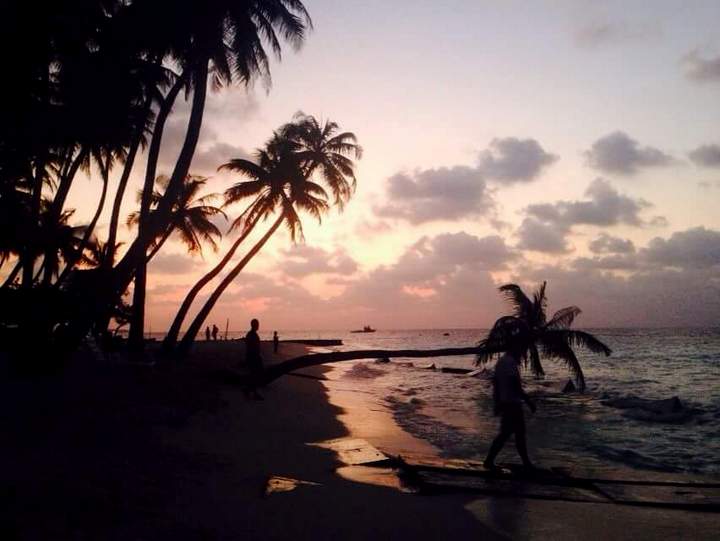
(578, 430)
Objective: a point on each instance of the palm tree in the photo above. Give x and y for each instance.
(314, 147)
(286, 187)
(266, 187)
(319, 146)
(551, 338)
(191, 219)
(218, 37)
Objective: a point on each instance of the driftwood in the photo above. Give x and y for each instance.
(275, 371)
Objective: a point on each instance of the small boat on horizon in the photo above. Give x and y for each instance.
(366, 328)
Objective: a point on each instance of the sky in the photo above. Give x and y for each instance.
(564, 141)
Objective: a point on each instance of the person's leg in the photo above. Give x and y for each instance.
(499, 441)
(520, 441)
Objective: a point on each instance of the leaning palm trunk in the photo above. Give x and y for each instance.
(13, 274)
(119, 194)
(174, 331)
(88, 232)
(189, 337)
(275, 371)
(147, 231)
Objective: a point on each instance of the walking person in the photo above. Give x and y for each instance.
(276, 342)
(215, 331)
(253, 358)
(207, 334)
(508, 395)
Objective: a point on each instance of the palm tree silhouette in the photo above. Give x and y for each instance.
(551, 338)
(191, 219)
(308, 147)
(215, 38)
(266, 187)
(286, 174)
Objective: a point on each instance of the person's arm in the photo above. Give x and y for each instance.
(517, 385)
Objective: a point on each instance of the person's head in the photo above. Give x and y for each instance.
(254, 324)
(510, 335)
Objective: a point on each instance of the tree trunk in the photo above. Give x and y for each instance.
(64, 186)
(135, 259)
(108, 257)
(90, 228)
(275, 371)
(13, 274)
(174, 331)
(189, 337)
(159, 245)
(28, 253)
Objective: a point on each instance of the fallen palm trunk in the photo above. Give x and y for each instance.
(275, 371)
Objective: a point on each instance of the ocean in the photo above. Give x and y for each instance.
(453, 412)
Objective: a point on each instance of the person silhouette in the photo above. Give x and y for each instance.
(276, 342)
(508, 395)
(207, 333)
(215, 332)
(253, 358)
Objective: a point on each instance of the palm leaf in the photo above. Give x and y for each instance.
(563, 318)
(522, 306)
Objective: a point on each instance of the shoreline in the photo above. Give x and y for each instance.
(114, 451)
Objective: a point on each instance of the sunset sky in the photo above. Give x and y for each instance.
(564, 141)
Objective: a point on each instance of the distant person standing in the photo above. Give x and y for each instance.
(215, 332)
(207, 333)
(253, 358)
(276, 342)
(509, 396)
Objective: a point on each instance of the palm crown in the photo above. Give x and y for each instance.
(191, 217)
(551, 338)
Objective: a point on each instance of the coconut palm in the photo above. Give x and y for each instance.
(266, 188)
(192, 217)
(287, 191)
(320, 147)
(551, 338)
(222, 39)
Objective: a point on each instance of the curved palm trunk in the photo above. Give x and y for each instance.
(13, 274)
(28, 254)
(64, 187)
(174, 331)
(159, 245)
(117, 203)
(88, 232)
(189, 337)
(135, 260)
(275, 371)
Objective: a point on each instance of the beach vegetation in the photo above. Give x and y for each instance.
(537, 335)
(95, 83)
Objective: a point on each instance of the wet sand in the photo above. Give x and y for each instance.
(108, 450)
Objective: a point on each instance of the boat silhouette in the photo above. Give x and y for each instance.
(366, 328)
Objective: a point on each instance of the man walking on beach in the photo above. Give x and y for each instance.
(509, 395)
(253, 358)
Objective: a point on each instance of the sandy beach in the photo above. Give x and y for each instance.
(110, 450)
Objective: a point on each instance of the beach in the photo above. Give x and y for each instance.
(107, 449)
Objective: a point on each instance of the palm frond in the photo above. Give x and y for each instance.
(557, 347)
(580, 339)
(522, 305)
(563, 318)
